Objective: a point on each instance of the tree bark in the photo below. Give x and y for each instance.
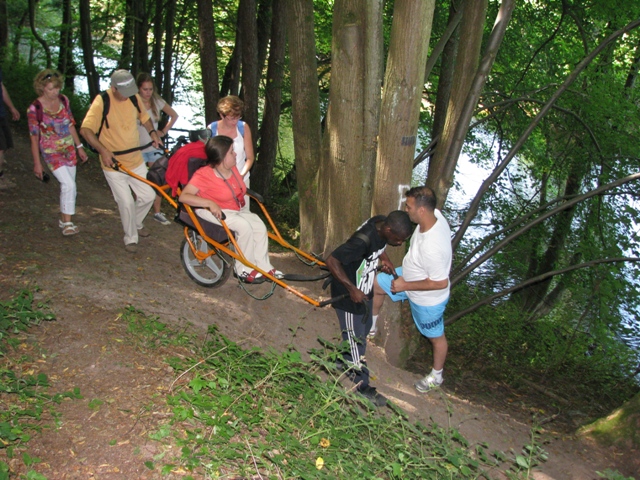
(65, 55)
(140, 61)
(156, 49)
(208, 59)
(247, 22)
(305, 97)
(341, 169)
(93, 80)
(442, 164)
(266, 160)
(4, 31)
(128, 32)
(170, 14)
(403, 86)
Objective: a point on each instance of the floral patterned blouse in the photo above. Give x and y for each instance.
(56, 143)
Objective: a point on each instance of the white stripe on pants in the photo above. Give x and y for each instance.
(251, 235)
(67, 178)
(132, 212)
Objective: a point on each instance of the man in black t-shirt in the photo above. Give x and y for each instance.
(353, 267)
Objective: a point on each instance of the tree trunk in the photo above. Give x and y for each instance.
(208, 59)
(231, 79)
(4, 31)
(341, 175)
(266, 160)
(445, 81)
(374, 64)
(247, 22)
(305, 97)
(156, 49)
(128, 31)
(403, 85)
(65, 56)
(264, 30)
(140, 61)
(93, 80)
(466, 60)
(170, 14)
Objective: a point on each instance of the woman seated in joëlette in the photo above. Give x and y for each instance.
(218, 187)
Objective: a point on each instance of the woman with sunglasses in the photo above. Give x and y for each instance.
(218, 188)
(55, 141)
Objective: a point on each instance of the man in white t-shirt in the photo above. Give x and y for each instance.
(423, 278)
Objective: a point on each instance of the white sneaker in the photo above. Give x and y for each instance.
(160, 218)
(427, 383)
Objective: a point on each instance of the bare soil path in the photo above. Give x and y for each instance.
(89, 278)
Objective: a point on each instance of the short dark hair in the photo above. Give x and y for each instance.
(399, 223)
(216, 149)
(423, 196)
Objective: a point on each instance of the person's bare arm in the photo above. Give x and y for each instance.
(15, 114)
(401, 285)
(190, 197)
(248, 150)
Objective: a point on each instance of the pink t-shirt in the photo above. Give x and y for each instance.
(225, 194)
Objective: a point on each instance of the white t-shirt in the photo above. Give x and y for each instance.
(429, 256)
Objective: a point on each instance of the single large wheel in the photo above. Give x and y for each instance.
(212, 272)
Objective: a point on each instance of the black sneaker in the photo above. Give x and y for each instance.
(371, 393)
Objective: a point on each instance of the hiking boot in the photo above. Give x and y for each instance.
(372, 395)
(131, 247)
(143, 232)
(160, 218)
(427, 383)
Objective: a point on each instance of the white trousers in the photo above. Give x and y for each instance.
(67, 178)
(132, 211)
(251, 235)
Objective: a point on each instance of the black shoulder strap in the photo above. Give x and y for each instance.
(134, 100)
(106, 103)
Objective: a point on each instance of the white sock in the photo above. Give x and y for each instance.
(373, 325)
(437, 374)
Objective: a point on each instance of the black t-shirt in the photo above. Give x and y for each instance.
(359, 259)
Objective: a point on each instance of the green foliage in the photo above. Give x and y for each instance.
(152, 333)
(238, 411)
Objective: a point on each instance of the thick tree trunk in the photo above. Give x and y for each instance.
(93, 80)
(341, 176)
(374, 65)
(231, 79)
(208, 59)
(400, 112)
(466, 60)
(403, 85)
(263, 27)
(247, 22)
(305, 97)
(263, 168)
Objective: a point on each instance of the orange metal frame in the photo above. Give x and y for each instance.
(237, 254)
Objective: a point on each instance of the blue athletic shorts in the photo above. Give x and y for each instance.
(429, 320)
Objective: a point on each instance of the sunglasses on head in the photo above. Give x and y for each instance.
(49, 75)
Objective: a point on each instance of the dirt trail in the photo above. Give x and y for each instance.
(89, 279)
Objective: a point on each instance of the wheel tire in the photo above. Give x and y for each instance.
(212, 272)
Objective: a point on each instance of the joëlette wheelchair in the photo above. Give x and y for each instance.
(208, 250)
